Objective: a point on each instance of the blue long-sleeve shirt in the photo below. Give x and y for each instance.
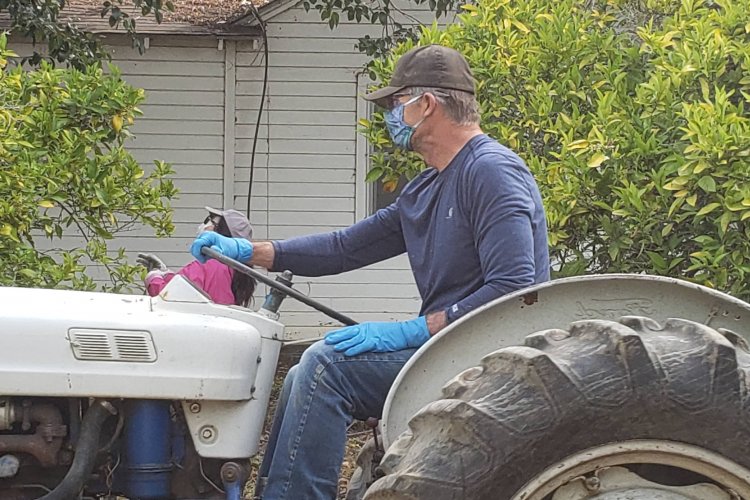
(473, 232)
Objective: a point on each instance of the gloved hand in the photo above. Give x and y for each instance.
(151, 262)
(238, 249)
(379, 337)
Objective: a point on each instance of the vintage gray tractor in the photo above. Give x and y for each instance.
(581, 388)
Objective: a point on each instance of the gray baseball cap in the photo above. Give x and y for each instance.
(428, 66)
(239, 226)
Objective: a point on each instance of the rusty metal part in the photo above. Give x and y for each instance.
(6, 414)
(45, 443)
(230, 472)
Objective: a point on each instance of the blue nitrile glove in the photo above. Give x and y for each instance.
(379, 337)
(238, 249)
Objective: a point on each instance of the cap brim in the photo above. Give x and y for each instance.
(215, 211)
(380, 96)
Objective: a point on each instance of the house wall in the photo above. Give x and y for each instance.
(310, 163)
(182, 123)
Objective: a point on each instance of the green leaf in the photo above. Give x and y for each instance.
(658, 261)
(579, 144)
(28, 273)
(726, 218)
(708, 209)
(597, 160)
(708, 184)
(374, 174)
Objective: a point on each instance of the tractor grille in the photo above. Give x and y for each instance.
(112, 345)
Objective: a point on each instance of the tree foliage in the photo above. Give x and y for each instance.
(64, 171)
(633, 116)
(42, 23)
(397, 27)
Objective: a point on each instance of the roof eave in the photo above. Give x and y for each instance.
(268, 11)
(236, 32)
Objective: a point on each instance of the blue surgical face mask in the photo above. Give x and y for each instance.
(400, 131)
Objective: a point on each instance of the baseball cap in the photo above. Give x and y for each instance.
(428, 66)
(239, 226)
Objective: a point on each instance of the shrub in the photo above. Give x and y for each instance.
(64, 171)
(633, 117)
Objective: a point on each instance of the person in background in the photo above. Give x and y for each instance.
(222, 284)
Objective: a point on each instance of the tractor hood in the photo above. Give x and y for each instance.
(175, 346)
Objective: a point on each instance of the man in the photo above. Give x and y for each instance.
(474, 229)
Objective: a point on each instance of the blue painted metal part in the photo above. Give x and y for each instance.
(147, 449)
(233, 489)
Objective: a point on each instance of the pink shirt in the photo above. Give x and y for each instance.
(213, 277)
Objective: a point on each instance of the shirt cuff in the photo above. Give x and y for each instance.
(277, 253)
(151, 275)
(452, 313)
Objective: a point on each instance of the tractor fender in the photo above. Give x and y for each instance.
(554, 304)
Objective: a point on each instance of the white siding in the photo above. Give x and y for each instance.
(183, 124)
(306, 159)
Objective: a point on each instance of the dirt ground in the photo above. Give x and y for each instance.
(357, 435)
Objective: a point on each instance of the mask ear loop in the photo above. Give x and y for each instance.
(411, 101)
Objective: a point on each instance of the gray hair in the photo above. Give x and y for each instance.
(461, 107)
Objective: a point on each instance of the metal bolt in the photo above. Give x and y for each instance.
(258, 360)
(25, 422)
(207, 433)
(592, 483)
(195, 407)
(230, 472)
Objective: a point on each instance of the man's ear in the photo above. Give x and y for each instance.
(430, 104)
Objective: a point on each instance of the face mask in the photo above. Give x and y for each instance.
(399, 130)
(206, 226)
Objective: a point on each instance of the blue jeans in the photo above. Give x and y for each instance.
(321, 397)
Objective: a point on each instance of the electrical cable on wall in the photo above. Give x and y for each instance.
(255, 12)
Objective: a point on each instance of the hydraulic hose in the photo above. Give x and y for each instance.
(85, 455)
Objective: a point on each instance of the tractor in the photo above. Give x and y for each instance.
(597, 387)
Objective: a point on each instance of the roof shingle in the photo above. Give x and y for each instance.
(192, 17)
(196, 12)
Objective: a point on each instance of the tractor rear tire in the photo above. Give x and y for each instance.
(527, 408)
